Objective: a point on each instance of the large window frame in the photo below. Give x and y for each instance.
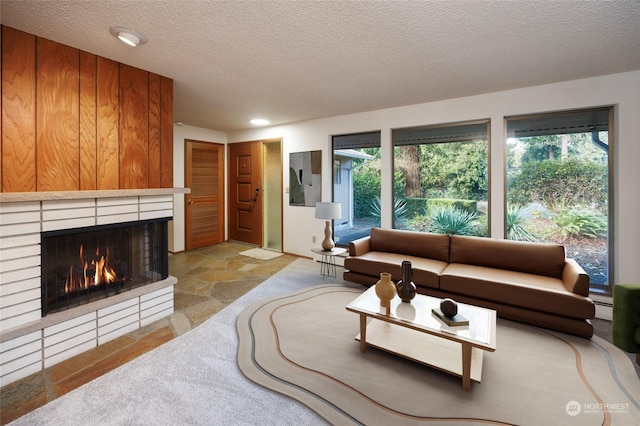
(463, 204)
(356, 159)
(590, 126)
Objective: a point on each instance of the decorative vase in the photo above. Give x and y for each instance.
(405, 288)
(385, 290)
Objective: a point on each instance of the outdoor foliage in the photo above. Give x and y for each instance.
(517, 218)
(470, 206)
(450, 221)
(399, 209)
(558, 184)
(366, 187)
(580, 222)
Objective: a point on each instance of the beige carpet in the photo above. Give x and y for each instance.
(302, 345)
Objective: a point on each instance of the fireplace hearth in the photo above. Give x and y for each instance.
(85, 264)
(102, 273)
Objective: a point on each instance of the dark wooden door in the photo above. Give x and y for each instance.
(204, 206)
(245, 192)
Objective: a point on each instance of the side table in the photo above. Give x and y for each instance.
(328, 261)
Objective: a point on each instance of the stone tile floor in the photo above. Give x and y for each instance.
(208, 280)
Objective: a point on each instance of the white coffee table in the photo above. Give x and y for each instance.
(412, 331)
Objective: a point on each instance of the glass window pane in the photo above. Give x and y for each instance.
(441, 179)
(557, 185)
(356, 185)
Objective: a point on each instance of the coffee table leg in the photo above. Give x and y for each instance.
(363, 332)
(466, 366)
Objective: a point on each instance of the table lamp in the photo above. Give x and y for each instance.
(328, 211)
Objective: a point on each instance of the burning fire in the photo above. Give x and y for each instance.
(95, 271)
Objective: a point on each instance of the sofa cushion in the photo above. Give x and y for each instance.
(419, 244)
(532, 258)
(528, 291)
(425, 271)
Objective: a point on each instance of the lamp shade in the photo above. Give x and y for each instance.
(328, 210)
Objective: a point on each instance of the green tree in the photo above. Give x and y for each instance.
(455, 169)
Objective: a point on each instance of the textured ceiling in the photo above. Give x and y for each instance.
(296, 60)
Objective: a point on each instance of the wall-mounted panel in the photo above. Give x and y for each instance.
(134, 128)
(166, 132)
(154, 131)
(88, 108)
(107, 155)
(72, 120)
(57, 116)
(18, 111)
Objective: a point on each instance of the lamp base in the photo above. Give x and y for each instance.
(327, 243)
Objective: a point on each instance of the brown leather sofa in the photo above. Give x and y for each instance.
(527, 282)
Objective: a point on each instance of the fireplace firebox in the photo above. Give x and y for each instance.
(86, 264)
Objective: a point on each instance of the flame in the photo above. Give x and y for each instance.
(104, 273)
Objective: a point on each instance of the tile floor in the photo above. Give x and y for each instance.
(208, 280)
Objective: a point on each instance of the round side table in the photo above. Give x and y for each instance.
(328, 261)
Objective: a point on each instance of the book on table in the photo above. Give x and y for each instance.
(450, 321)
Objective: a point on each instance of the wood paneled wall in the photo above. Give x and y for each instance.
(72, 120)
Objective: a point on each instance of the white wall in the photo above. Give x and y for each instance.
(621, 90)
(180, 133)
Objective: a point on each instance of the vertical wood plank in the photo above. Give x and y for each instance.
(154, 131)
(134, 127)
(107, 155)
(88, 170)
(18, 111)
(57, 116)
(166, 132)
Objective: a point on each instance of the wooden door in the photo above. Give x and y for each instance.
(245, 192)
(204, 206)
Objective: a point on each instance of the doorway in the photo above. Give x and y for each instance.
(255, 193)
(272, 229)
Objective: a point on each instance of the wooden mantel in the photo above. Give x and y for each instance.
(18, 197)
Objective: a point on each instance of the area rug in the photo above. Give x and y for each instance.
(302, 345)
(260, 253)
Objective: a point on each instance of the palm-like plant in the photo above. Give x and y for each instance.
(517, 217)
(451, 221)
(399, 209)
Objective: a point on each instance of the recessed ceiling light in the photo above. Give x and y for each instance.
(131, 37)
(259, 122)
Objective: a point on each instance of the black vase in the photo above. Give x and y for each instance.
(405, 288)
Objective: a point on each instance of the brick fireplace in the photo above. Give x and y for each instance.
(100, 308)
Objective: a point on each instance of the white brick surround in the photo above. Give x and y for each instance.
(30, 343)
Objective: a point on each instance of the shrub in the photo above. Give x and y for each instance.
(416, 206)
(517, 217)
(450, 221)
(580, 222)
(399, 209)
(470, 206)
(561, 183)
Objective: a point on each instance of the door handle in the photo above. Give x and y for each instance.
(190, 201)
(254, 199)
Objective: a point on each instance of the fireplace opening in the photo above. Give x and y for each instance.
(86, 264)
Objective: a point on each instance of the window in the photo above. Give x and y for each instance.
(441, 179)
(558, 185)
(356, 185)
(337, 172)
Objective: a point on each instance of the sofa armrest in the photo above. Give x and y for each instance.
(575, 279)
(360, 246)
